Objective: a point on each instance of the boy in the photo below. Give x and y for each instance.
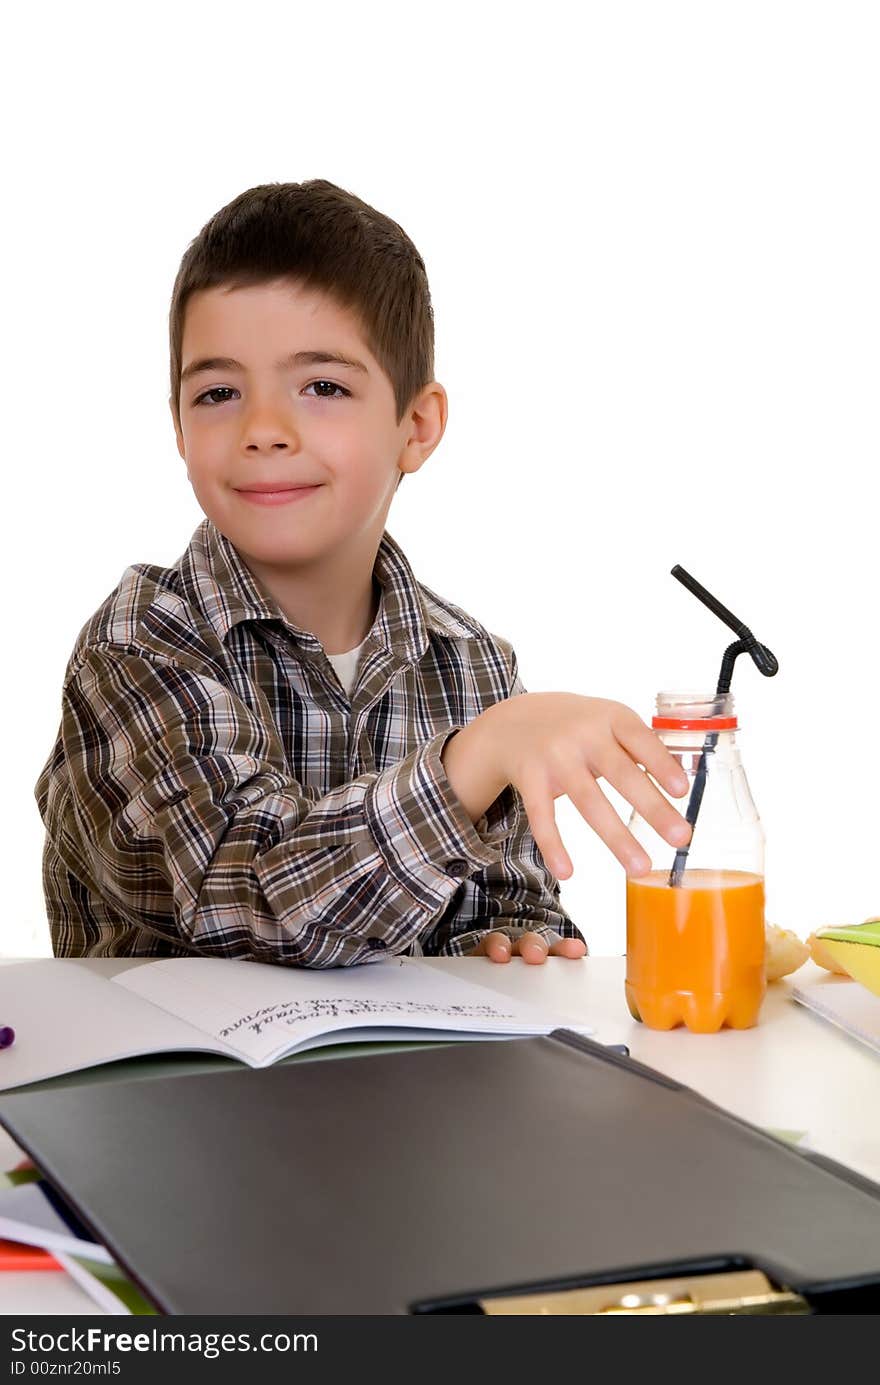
(284, 747)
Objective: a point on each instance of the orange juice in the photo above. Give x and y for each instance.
(695, 952)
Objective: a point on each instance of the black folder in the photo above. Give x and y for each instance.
(470, 1178)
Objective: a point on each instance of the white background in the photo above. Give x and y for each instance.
(651, 232)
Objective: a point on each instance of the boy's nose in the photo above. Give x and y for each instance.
(269, 426)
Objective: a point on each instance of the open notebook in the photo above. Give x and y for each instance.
(68, 1016)
(848, 1004)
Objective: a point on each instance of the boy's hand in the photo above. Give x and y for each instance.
(549, 744)
(531, 947)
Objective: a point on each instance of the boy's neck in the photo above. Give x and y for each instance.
(335, 600)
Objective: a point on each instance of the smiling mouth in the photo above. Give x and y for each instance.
(272, 487)
(280, 496)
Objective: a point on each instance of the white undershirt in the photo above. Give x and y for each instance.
(345, 666)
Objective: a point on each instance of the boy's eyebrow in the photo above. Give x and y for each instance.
(294, 359)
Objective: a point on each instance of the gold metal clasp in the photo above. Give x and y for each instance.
(741, 1291)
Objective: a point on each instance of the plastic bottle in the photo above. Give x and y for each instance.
(695, 948)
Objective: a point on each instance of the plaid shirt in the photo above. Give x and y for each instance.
(213, 790)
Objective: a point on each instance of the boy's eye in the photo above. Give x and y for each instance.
(207, 398)
(220, 389)
(333, 386)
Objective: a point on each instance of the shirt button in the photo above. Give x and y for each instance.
(459, 868)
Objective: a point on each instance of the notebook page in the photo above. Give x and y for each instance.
(847, 1004)
(67, 1017)
(265, 1011)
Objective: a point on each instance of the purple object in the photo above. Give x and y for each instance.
(7, 1036)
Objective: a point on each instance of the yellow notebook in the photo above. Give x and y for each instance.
(857, 950)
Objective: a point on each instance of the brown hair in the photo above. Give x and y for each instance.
(324, 238)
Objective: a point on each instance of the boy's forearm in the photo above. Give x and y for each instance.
(472, 766)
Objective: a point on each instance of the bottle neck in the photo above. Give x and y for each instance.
(695, 712)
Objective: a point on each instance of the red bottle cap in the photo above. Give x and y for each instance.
(694, 724)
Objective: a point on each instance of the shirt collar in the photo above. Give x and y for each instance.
(216, 580)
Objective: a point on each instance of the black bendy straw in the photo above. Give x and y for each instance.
(766, 663)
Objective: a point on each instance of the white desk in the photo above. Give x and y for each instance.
(794, 1071)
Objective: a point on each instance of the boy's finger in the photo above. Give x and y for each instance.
(495, 946)
(568, 947)
(538, 804)
(645, 797)
(595, 809)
(532, 948)
(645, 747)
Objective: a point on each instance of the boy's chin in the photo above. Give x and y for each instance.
(290, 552)
(289, 546)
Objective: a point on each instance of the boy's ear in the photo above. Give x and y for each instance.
(426, 424)
(178, 432)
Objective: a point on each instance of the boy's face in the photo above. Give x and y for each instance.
(324, 428)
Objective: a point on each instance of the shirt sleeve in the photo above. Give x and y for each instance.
(194, 828)
(515, 893)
